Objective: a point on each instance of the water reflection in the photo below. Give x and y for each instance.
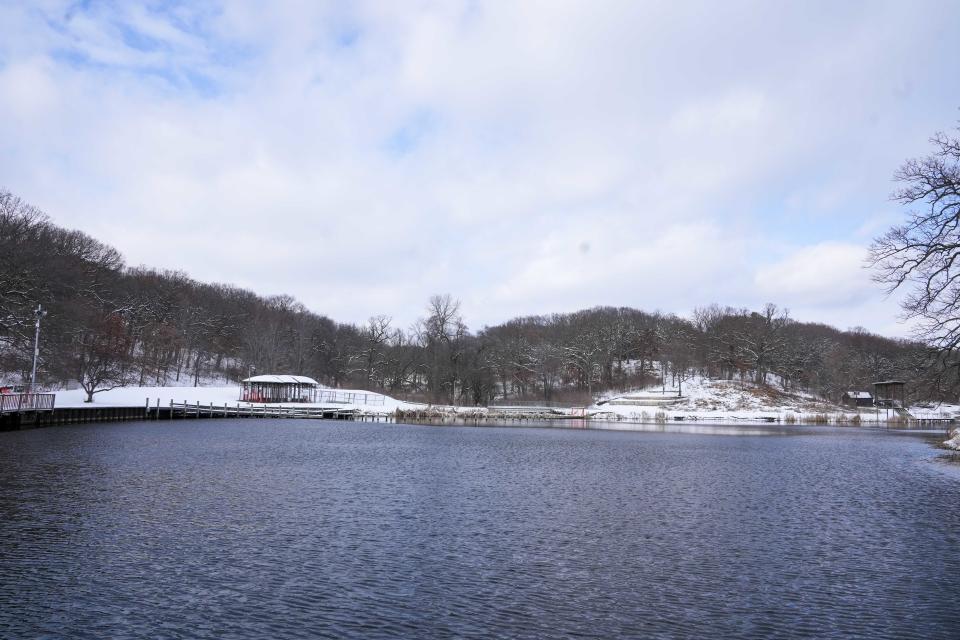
(671, 426)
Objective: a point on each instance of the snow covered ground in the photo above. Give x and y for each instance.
(954, 441)
(725, 400)
(703, 399)
(218, 396)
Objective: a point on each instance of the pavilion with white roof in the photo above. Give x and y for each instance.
(279, 388)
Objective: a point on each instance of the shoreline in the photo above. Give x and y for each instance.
(224, 400)
(953, 442)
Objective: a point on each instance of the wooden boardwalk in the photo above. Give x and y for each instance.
(29, 418)
(198, 410)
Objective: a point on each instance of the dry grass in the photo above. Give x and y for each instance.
(766, 393)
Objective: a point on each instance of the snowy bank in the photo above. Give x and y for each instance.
(703, 400)
(706, 399)
(954, 441)
(217, 396)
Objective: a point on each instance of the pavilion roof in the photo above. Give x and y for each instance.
(282, 379)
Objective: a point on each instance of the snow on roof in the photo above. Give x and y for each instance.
(858, 394)
(285, 379)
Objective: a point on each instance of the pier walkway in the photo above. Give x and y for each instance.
(18, 409)
(210, 410)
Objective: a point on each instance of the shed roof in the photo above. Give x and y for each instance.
(282, 379)
(885, 382)
(858, 394)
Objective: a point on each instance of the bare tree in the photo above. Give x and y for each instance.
(376, 334)
(441, 334)
(100, 359)
(760, 340)
(921, 256)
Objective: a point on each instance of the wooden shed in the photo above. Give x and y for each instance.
(890, 393)
(279, 388)
(857, 399)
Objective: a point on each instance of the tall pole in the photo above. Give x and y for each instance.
(36, 350)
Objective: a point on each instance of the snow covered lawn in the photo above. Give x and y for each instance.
(218, 396)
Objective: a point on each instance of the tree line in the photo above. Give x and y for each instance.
(111, 325)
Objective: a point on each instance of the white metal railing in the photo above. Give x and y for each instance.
(11, 402)
(350, 397)
(548, 404)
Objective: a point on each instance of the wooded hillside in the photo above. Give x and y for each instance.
(110, 325)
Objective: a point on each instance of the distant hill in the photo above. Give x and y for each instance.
(110, 325)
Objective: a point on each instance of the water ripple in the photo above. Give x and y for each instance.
(290, 529)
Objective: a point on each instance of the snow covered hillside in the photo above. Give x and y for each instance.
(706, 399)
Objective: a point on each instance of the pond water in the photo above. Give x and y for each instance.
(299, 529)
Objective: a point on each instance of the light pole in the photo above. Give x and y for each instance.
(36, 349)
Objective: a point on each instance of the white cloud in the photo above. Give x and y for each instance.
(364, 156)
(824, 274)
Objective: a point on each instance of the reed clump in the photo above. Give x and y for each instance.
(425, 413)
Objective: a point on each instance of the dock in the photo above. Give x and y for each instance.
(20, 410)
(38, 410)
(185, 410)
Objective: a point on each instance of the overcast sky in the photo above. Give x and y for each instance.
(526, 157)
